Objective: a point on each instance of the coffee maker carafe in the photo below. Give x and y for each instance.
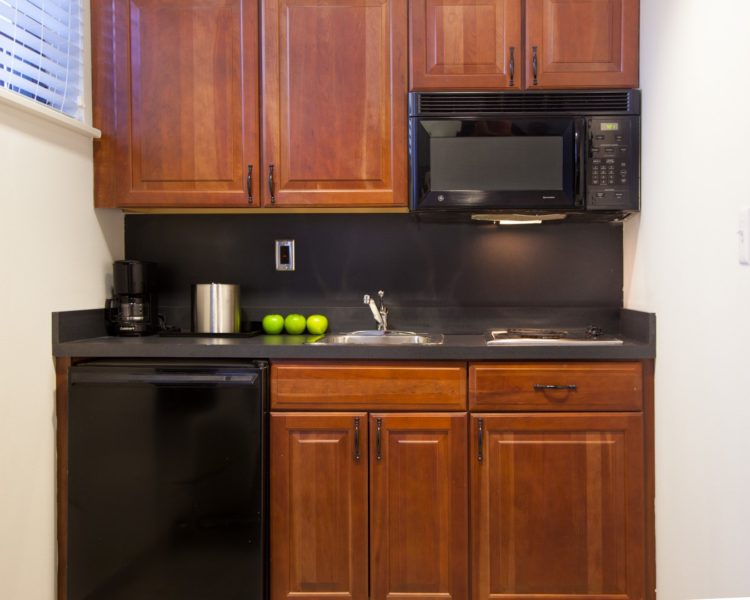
(133, 308)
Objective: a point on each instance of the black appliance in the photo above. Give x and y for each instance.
(133, 309)
(541, 152)
(166, 481)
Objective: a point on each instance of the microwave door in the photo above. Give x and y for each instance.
(494, 164)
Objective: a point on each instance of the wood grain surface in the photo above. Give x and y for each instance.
(582, 44)
(368, 385)
(418, 507)
(558, 506)
(465, 44)
(334, 102)
(598, 386)
(319, 507)
(176, 96)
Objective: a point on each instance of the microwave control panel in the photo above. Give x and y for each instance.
(612, 164)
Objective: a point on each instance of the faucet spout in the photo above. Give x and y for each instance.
(380, 314)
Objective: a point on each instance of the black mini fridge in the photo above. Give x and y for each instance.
(166, 481)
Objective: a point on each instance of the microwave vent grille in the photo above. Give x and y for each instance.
(473, 103)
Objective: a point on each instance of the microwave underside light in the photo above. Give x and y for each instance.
(517, 219)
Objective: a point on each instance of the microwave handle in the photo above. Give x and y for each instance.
(578, 157)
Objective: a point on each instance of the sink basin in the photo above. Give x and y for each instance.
(379, 338)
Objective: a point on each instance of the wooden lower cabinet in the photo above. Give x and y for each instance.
(542, 491)
(418, 506)
(557, 506)
(318, 506)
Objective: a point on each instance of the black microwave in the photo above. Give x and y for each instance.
(526, 152)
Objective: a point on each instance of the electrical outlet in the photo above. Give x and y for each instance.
(285, 255)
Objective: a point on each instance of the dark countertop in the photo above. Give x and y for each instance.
(81, 334)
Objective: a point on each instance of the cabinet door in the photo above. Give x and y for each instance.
(334, 102)
(557, 506)
(464, 44)
(418, 520)
(318, 505)
(175, 90)
(582, 43)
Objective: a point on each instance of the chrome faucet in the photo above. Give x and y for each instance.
(380, 314)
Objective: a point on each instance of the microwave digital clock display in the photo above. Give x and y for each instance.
(610, 127)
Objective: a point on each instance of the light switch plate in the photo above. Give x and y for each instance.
(285, 255)
(743, 235)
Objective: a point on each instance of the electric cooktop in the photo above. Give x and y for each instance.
(589, 336)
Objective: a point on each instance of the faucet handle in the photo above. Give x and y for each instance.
(381, 293)
(366, 299)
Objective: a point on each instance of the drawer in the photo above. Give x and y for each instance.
(368, 386)
(575, 386)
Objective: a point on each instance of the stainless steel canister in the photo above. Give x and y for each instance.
(216, 308)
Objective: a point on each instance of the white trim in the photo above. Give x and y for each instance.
(32, 107)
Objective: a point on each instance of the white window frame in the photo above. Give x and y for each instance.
(28, 106)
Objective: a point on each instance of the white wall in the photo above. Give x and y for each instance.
(681, 262)
(55, 252)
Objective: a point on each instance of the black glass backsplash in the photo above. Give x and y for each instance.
(341, 257)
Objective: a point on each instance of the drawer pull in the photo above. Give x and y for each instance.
(356, 439)
(379, 454)
(480, 436)
(539, 387)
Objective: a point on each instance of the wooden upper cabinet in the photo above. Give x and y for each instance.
(175, 86)
(469, 44)
(557, 506)
(318, 505)
(582, 43)
(418, 507)
(334, 102)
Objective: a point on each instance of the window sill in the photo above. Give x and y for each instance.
(31, 107)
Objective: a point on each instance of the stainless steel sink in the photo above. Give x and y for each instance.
(379, 338)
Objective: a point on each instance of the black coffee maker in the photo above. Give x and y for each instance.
(133, 308)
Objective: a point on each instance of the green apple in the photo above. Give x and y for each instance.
(273, 324)
(294, 324)
(317, 324)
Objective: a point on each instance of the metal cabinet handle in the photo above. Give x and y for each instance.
(480, 436)
(356, 439)
(534, 64)
(540, 387)
(249, 184)
(270, 184)
(378, 449)
(512, 64)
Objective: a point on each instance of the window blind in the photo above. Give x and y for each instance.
(41, 54)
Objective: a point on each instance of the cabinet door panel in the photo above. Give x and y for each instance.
(334, 85)
(557, 506)
(582, 43)
(318, 506)
(175, 89)
(458, 44)
(419, 521)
